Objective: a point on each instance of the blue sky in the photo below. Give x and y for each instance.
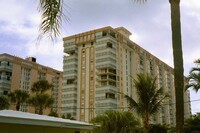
(149, 24)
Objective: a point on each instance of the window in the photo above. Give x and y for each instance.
(109, 44)
(104, 33)
(110, 95)
(141, 60)
(5, 92)
(83, 45)
(8, 78)
(70, 81)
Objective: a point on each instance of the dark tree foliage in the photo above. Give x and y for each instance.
(158, 129)
(192, 125)
(4, 102)
(116, 122)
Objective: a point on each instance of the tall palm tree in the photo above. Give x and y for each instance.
(194, 77)
(4, 103)
(18, 97)
(178, 62)
(149, 98)
(116, 122)
(51, 19)
(41, 102)
(41, 86)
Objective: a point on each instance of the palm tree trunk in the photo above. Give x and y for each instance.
(18, 106)
(178, 63)
(146, 123)
(41, 110)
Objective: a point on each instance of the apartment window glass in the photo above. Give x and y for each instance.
(109, 44)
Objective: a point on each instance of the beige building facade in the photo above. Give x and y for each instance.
(19, 73)
(100, 64)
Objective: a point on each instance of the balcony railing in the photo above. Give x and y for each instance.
(5, 68)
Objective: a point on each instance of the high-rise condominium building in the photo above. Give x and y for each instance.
(100, 65)
(17, 73)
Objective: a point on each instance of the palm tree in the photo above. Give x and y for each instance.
(18, 97)
(41, 102)
(4, 103)
(51, 19)
(178, 62)
(116, 122)
(194, 77)
(41, 86)
(149, 98)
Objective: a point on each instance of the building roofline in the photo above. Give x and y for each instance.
(18, 117)
(124, 29)
(88, 32)
(34, 63)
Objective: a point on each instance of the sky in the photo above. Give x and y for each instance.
(149, 23)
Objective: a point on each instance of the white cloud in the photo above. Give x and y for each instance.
(47, 53)
(195, 101)
(19, 18)
(194, 4)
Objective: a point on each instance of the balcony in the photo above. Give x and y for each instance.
(106, 72)
(70, 49)
(104, 48)
(108, 88)
(6, 68)
(106, 36)
(100, 79)
(4, 83)
(109, 103)
(72, 56)
(69, 98)
(72, 85)
(69, 109)
(106, 64)
(105, 58)
(71, 76)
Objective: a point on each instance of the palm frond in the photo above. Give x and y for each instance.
(133, 104)
(194, 81)
(195, 69)
(51, 19)
(158, 103)
(41, 86)
(197, 61)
